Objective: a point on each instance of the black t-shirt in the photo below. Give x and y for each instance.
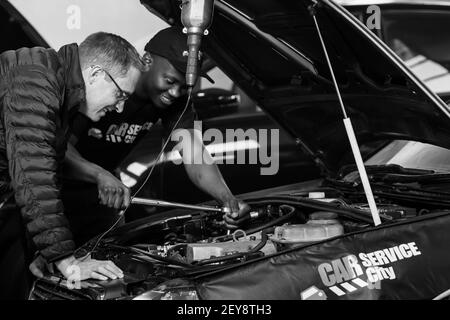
(109, 140)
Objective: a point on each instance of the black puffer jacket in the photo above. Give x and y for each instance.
(40, 89)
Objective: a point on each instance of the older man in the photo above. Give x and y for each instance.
(40, 91)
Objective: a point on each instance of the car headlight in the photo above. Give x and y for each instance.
(177, 289)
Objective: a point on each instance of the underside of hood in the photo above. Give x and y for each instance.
(271, 49)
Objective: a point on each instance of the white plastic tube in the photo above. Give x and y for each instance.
(362, 171)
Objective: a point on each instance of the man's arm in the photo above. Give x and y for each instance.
(112, 192)
(77, 167)
(30, 122)
(30, 134)
(206, 176)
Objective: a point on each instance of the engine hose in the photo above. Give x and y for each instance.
(221, 259)
(269, 224)
(163, 259)
(153, 256)
(348, 212)
(255, 249)
(199, 270)
(263, 242)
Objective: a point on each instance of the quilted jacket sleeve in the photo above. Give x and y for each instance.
(31, 117)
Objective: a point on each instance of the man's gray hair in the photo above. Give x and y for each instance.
(111, 52)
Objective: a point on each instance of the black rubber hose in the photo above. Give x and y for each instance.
(348, 212)
(221, 259)
(263, 242)
(163, 259)
(153, 256)
(255, 249)
(272, 223)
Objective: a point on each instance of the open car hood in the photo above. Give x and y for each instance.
(271, 49)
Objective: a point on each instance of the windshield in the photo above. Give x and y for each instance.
(416, 36)
(415, 155)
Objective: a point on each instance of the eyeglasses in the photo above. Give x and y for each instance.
(121, 95)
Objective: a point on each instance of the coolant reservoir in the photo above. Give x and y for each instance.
(323, 215)
(317, 229)
(323, 218)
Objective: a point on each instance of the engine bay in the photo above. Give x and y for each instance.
(197, 243)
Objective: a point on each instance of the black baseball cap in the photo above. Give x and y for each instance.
(171, 43)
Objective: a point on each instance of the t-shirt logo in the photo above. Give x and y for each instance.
(125, 132)
(96, 133)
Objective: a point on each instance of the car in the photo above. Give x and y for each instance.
(316, 238)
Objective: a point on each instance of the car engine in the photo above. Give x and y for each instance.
(191, 244)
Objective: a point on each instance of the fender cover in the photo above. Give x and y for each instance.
(402, 260)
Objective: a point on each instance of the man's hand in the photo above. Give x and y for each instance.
(39, 266)
(111, 191)
(88, 268)
(82, 269)
(238, 211)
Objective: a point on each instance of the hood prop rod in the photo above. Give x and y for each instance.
(349, 129)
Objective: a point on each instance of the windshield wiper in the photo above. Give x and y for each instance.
(393, 173)
(411, 189)
(423, 179)
(413, 195)
(383, 169)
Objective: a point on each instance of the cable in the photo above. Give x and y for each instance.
(122, 212)
(164, 146)
(101, 237)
